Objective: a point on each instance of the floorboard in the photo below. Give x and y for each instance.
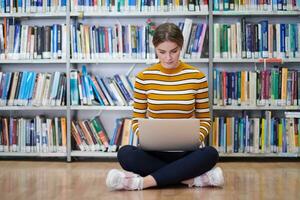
(86, 180)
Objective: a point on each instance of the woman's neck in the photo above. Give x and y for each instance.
(171, 67)
(173, 70)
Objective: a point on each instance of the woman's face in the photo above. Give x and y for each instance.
(168, 54)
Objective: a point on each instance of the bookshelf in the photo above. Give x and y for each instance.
(224, 113)
(26, 62)
(108, 66)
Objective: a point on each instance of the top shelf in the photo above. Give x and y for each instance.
(146, 61)
(34, 61)
(137, 14)
(258, 60)
(35, 15)
(82, 14)
(256, 13)
(137, 61)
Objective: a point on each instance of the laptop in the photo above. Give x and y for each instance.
(169, 134)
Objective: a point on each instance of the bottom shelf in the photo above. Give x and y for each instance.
(260, 155)
(23, 154)
(96, 154)
(237, 155)
(114, 155)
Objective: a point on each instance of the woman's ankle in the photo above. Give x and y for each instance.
(189, 182)
(149, 181)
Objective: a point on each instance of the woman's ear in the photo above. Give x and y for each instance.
(155, 51)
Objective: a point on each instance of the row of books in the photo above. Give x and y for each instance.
(256, 40)
(32, 6)
(139, 5)
(39, 134)
(89, 89)
(256, 135)
(123, 134)
(32, 89)
(42, 6)
(195, 36)
(90, 135)
(278, 86)
(275, 5)
(119, 41)
(240, 40)
(131, 41)
(19, 41)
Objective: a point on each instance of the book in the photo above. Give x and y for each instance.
(126, 132)
(100, 131)
(74, 89)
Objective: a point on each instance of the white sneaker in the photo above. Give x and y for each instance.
(118, 180)
(216, 177)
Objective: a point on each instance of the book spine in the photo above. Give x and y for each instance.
(74, 88)
(100, 131)
(122, 88)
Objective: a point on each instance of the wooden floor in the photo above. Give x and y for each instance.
(35, 180)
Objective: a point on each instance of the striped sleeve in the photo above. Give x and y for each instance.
(202, 108)
(140, 103)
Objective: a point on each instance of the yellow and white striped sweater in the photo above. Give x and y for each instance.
(172, 93)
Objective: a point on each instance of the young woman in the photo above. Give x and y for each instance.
(168, 89)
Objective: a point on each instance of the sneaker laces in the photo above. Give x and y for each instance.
(118, 180)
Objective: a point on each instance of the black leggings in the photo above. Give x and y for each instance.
(167, 168)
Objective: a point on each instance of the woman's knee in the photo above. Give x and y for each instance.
(210, 154)
(126, 156)
(213, 153)
(124, 151)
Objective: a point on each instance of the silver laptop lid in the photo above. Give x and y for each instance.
(169, 134)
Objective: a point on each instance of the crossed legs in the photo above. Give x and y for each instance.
(167, 168)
